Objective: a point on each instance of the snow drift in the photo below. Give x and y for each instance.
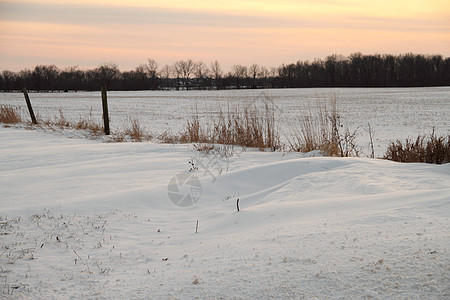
(84, 219)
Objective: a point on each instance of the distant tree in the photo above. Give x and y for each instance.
(201, 72)
(152, 71)
(177, 72)
(239, 72)
(437, 62)
(141, 78)
(445, 71)
(217, 73)
(264, 74)
(287, 74)
(254, 70)
(38, 78)
(44, 76)
(134, 80)
(330, 68)
(273, 72)
(201, 69)
(2, 83)
(184, 70)
(152, 67)
(25, 79)
(390, 70)
(128, 81)
(166, 73)
(9, 79)
(356, 70)
(406, 69)
(107, 73)
(72, 78)
(51, 74)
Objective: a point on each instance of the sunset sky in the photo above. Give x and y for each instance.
(267, 32)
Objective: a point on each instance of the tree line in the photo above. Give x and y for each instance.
(356, 70)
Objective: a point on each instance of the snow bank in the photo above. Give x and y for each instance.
(83, 219)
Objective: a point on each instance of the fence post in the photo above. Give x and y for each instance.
(30, 108)
(105, 110)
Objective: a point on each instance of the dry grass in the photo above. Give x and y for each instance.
(168, 137)
(223, 151)
(84, 123)
(434, 150)
(118, 137)
(247, 126)
(93, 127)
(438, 150)
(87, 123)
(193, 133)
(321, 129)
(255, 126)
(9, 114)
(136, 133)
(408, 152)
(313, 132)
(62, 122)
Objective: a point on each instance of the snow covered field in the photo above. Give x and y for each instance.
(82, 219)
(86, 219)
(393, 113)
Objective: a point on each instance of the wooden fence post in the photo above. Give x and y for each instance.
(30, 108)
(105, 110)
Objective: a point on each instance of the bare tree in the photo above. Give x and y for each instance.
(264, 73)
(152, 71)
(44, 76)
(68, 76)
(217, 72)
(152, 68)
(201, 69)
(184, 68)
(106, 73)
(166, 72)
(202, 72)
(254, 72)
(140, 75)
(239, 72)
(8, 78)
(273, 72)
(26, 78)
(177, 72)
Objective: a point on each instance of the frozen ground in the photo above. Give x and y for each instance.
(82, 219)
(393, 113)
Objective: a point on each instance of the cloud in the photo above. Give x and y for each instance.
(66, 32)
(102, 15)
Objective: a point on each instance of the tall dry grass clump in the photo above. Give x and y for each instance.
(87, 123)
(62, 120)
(9, 114)
(438, 150)
(136, 132)
(193, 132)
(240, 125)
(434, 150)
(321, 129)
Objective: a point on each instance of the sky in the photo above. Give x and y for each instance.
(87, 33)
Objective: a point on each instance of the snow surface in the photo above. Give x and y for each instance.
(82, 219)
